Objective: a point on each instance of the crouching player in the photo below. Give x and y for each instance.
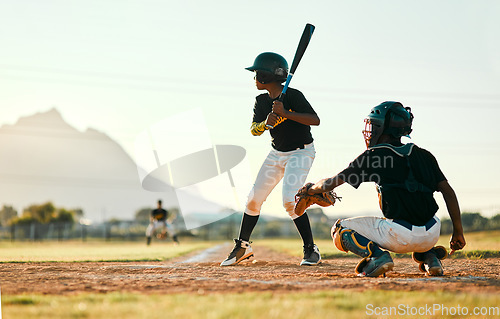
(406, 177)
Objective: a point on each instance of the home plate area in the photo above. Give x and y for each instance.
(269, 271)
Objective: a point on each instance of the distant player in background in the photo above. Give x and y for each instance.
(159, 220)
(290, 158)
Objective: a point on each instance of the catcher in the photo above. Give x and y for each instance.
(159, 220)
(406, 177)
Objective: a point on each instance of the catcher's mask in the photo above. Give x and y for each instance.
(269, 67)
(389, 118)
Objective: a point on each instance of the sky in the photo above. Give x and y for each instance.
(122, 66)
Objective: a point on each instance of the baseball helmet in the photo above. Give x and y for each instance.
(269, 67)
(389, 118)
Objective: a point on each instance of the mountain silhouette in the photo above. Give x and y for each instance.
(43, 158)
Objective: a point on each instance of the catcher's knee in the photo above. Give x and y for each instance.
(335, 233)
(348, 240)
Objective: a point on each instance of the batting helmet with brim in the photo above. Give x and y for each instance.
(270, 67)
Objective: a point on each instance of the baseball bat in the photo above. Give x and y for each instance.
(301, 49)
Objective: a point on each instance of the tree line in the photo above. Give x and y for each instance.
(45, 213)
(472, 222)
(48, 213)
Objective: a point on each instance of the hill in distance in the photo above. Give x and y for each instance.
(45, 159)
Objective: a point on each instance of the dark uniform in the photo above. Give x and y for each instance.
(290, 158)
(287, 135)
(388, 167)
(159, 214)
(159, 220)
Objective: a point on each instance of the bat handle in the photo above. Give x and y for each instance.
(269, 127)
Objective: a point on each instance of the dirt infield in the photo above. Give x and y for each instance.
(200, 273)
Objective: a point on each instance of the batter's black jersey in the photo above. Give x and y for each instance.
(387, 167)
(159, 214)
(289, 135)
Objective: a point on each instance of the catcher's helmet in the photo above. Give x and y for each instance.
(269, 67)
(390, 118)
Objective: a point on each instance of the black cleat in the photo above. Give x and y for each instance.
(312, 255)
(375, 266)
(241, 251)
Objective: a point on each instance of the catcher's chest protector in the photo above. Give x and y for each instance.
(410, 183)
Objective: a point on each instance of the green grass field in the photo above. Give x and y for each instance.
(325, 304)
(78, 251)
(94, 251)
(320, 304)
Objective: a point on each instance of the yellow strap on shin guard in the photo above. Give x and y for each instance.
(345, 240)
(337, 236)
(337, 240)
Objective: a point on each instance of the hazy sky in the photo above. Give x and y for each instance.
(121, 66)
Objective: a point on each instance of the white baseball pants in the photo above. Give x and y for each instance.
(291, 167)
(159, 224)
(393, 236)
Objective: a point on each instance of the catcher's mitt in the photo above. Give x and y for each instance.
(303, 200)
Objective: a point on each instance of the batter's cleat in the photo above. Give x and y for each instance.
(375, 266)
(430, 261)
(241, 251)
(312, 255)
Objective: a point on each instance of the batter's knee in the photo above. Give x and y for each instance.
(253, 208)
(290, 209)
(254, 203)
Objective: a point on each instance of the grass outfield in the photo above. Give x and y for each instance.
(370, 303)
(95, 251)
(322, 304)
(479, 245)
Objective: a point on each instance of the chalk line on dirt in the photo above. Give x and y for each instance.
(204, 255)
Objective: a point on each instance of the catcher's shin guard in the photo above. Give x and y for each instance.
(375, 262)
(430, 261)
(348, 240)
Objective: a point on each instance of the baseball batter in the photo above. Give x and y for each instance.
(406, 177)
(290, 158)
(159, 220)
